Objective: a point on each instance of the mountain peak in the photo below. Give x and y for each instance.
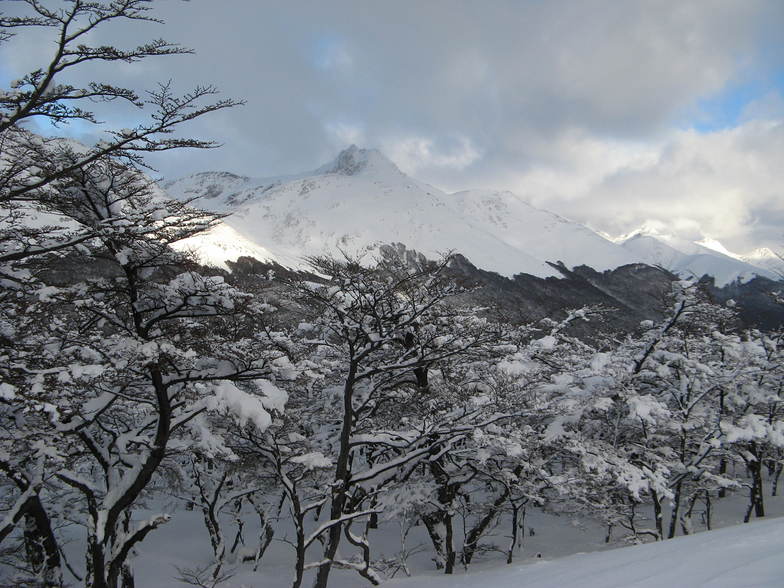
(715, 245)
(762, 253)
(354, 161)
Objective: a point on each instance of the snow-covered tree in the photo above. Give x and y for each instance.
(381, 339)
(124, 367)
(656, 409)
(752, 411)
(33, 168)
(99, 358)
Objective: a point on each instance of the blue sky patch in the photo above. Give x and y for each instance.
(726, 108)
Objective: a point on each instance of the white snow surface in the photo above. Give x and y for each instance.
(242, 406)
(220, 244)
(735, 557)
(361, 200)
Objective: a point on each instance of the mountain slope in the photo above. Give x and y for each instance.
(544, 235)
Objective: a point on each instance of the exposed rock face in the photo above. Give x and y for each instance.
(629, 294)
(634, 293)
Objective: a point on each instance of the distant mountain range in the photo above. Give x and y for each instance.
(361, 200)
(687, 258)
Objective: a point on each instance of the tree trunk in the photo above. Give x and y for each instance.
(708, 510)
(776, 476)
(299, 546)
(43, 554)
(299, 524)
(722, 471)
(96, 571)
(299, 564)
(657, 515)
(333, 541)
(723, 460)
(686, 519)
(339, 487)
(756, 494)
(431, 523)
(472, 539)
(127, 580)
(515, 532)
(449, 546)
(676, 507)
(676, 501)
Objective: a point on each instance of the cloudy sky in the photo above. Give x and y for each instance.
(616, 113)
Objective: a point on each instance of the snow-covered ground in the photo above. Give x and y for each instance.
(736, 557)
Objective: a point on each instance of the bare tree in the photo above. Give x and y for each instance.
(33, 169)
(115, 219)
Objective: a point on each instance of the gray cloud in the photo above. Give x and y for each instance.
(574, 103)
(725, 185)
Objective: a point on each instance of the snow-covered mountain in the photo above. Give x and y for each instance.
(361, 199)
(764, 258)
(688, 258)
